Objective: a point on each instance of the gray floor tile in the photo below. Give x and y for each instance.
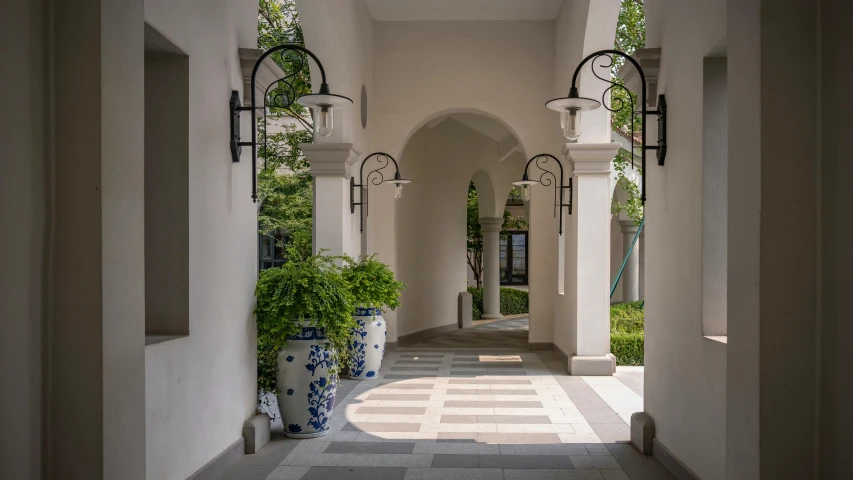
(454, 461)
(355, 473)
(518, 438)
(458, 419)
(246, 472)
(370, 447)
(546, 474)
(510, 404)
(272, 453)
(421, 355)
(454, 474)
(407, 377)
(287, 472)
(525, 461)
(390, 411)
(612, 432)
(457, 437)
(398, 396)
(461, 403)
(637, 465)
(463, 391)
(514, 419)
(594, 461)
(487, 365)
(381, 427)
(545, 449)
(417, 362)
(507, 391)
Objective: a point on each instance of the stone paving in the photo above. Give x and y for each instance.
(472, 404)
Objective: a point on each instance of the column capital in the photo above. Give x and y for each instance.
(628, 226)
(591, 158)
(491, 224)
(330, 159)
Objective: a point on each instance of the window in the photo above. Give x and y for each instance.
(513, 258)
(271, 250)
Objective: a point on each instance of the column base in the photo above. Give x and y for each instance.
(491, 316)
(598, 366)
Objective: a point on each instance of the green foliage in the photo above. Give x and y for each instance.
(310, 289)
(633, 206)
(474, 243)
(627, 337)
(372, 283)
(628, 348)
(630, 36)
(284, 182)
(513, 301)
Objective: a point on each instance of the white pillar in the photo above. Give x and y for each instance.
(331, 167)
(631, 274)
(592, 165)
(491, 228)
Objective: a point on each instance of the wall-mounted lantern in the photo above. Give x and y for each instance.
(541, 161)
(374, 177)
(322, 105)
(572, 106)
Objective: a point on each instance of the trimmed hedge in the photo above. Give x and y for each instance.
(513, 301)
(627, 337)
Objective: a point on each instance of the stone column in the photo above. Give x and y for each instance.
(631, 274)
(335, 227)
(491, 228)
(592, 165)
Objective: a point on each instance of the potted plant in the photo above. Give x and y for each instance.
(305, 311)
(373, 287)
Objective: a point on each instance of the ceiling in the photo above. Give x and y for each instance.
(463, 10)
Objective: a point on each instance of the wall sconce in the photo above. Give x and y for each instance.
(541, 160)
(374, 177)
(573, 105)
(322, 105)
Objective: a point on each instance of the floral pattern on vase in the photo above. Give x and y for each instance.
(367, 344)
(303, 373)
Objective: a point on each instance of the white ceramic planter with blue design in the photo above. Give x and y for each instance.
(367, 345)
(306, 389)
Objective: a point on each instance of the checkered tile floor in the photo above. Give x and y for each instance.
(472, 404)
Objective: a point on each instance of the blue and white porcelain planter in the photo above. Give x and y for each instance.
(367, 344)
(306, 388)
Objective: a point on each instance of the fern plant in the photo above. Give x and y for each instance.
(372, 283)
(308, 289)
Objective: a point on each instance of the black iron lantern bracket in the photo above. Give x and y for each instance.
(541, 161)
(575, 101)
(323, 101)
(374, 177)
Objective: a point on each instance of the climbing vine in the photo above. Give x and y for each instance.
(632, 206)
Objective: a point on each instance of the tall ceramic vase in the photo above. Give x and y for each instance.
(306, 388)
(367, 345)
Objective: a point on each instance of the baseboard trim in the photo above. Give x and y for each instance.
(564, 357)
(669, 461)
(427, 334)
(216, 467)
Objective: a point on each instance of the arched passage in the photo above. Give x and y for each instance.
(445, 154)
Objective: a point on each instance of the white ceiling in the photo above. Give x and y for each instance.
(462, 10)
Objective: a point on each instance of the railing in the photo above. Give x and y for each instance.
(627, 255)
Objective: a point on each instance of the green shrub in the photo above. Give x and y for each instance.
(627, 317)
(627, 337)
(627, 347)
(513, 301)
(372, 283)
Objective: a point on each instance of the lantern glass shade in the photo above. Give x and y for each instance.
(581, 103)
(323, 107)
(570, 121)
(525, 193)
(324, 120)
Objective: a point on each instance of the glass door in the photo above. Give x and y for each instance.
(513, 258)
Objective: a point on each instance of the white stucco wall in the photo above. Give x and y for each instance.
(200, 388)
(431, 218)
(427, 69)
(685, 377)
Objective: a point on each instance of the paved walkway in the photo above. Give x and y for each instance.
(472, 404)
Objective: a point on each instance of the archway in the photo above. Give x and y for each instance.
(445, 154)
